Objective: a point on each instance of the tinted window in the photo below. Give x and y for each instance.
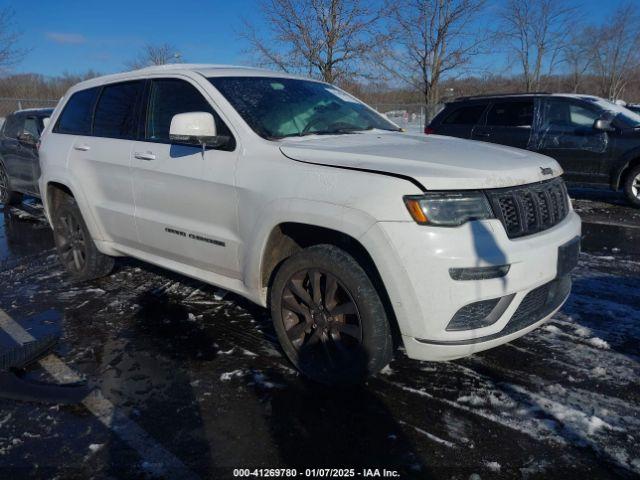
(569, 115)
(116, 110)
(13, 126)
(76, 116)
(465, 115)
(170, 97)
(511, 114)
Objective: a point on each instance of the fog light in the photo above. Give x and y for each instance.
(479, 273)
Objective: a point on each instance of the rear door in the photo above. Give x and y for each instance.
(508, 122)
(104, 122)
(460, 120)
(186, 201)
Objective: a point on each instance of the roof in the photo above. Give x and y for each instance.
(47, 110)
(205, 69)
(525, 94)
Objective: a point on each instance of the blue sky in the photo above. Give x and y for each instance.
(74, 36)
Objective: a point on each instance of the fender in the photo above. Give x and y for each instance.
(81, 200)
(621, 164)
(349, 221)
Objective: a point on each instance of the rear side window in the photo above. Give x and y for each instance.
(76, 116)
(116, 112)
(511, 114)
(169, 97)
(13, 126)
(465, 115)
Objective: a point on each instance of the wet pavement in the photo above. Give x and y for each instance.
(199, 370)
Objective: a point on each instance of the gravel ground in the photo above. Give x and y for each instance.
(200, 371)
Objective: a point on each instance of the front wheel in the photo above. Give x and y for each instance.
(76, 250)
(632, 186)
(7, 196)
(329, 318)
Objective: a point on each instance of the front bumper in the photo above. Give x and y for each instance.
(428, 298)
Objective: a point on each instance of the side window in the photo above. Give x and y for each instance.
(13, 126)
(76, 116)
(511, 114)
(582, 117)
(116, 112)
(32, 127)
(465, 115)
(169, 97)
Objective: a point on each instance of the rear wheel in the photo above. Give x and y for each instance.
(632, 186)
(7, 196)
(329, 318)
(76, 250)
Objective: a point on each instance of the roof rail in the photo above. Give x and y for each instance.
(494, 95)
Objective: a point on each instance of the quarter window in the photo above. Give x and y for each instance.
(169, 97)
(465, 115)
(511, 114)
(76, 116)
(116, 112)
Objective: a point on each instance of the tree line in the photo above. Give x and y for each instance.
(414, 51)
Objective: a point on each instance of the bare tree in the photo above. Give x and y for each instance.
(616, 51)
(152, 54)
(537, 32)
(435, 39)
(9, 38)
(328, 39)
(578, 57)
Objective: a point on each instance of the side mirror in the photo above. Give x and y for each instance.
(604, 125)
(27, 139)
(197, 128)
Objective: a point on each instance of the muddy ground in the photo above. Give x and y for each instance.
(200, 372)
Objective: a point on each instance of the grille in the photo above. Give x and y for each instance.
(530, 209)
(472, 315)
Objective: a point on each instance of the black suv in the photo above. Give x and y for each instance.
(19, 163)
(595, 141)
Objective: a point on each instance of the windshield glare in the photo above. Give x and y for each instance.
(283, 107)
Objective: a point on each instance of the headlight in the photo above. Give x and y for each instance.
(448, 208)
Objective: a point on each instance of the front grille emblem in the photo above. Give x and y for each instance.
(546, 170)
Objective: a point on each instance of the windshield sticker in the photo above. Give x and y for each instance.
(345, 97)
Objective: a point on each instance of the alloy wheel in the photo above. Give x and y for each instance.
(320, 317)
(635, 186)
(72, 243)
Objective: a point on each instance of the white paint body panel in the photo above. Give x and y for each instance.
(238, 198)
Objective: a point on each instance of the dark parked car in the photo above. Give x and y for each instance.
(595, 141)
(19, 165)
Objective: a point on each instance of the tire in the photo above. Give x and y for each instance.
(7, 196)
(327, 346)
(631, 186)
(76, 250)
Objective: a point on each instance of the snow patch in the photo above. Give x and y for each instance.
(225, 377)
(493, 466)
(598, 343)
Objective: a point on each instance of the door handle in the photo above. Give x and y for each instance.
(148, 156)
(483, 135)
(82, 148)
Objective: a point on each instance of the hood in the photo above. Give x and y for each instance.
(437, 162)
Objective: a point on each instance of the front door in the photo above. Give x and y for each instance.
(566, 134)
(185, 198)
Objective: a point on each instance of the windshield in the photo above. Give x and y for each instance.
(623, 115)
(282, 107)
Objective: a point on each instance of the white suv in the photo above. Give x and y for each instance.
(292, 193)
